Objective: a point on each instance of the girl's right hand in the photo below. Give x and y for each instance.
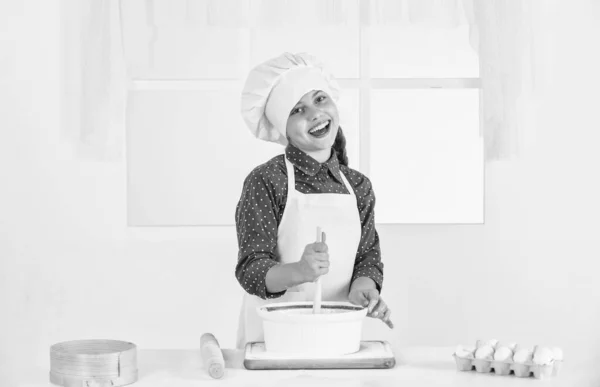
(314, 261)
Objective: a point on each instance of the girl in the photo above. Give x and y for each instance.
(291, 100)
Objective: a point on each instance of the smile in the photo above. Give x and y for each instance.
(321, 129)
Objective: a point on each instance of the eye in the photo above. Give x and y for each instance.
(321, 98)
(295, 110)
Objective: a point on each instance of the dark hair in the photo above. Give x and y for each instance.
(339, 145)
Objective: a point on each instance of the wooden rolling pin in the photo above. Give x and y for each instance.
(212, 355)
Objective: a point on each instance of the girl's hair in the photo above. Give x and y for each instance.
(340, 147)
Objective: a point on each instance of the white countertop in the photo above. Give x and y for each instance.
(421, 366)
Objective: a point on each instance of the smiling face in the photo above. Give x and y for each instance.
(313, 123)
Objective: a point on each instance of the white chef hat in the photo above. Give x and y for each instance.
(274, 87)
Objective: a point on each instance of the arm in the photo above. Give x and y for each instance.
(368, 267)
(363, 283)
(367, 279)
(258, 269)
(282, 277)
(256, 219)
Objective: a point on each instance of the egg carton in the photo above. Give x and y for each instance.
(521, 370)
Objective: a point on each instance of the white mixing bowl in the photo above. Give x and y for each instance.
(292, 328)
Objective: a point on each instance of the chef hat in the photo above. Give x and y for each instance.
(274, 87)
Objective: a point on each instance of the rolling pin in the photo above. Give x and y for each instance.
(212, 356)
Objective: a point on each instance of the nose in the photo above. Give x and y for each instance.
(314, 113)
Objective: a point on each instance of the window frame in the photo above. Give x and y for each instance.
(365, 84)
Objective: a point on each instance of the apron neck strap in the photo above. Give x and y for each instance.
(291, 179)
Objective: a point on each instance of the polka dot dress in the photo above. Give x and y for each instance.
(262, 204)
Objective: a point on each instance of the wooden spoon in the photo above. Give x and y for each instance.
(318, 289)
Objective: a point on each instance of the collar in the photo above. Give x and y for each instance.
(310, 166)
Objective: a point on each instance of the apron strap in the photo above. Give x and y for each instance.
(291, 179)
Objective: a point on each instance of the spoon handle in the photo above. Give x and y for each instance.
(318, 289)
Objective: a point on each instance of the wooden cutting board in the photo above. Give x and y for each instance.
(372, 355)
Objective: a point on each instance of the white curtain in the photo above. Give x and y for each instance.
(512, 41)
(93, 79)
(507, 34)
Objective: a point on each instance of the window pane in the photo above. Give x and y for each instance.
(337, 46)
(427, 156)
(171, 45)
(415, 51)
(188, 154)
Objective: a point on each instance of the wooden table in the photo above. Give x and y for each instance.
(420, 366)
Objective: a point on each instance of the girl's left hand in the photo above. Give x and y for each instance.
(371, 299)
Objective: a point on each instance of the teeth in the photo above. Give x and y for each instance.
(324, 124)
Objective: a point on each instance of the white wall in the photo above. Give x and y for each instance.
(70, 268)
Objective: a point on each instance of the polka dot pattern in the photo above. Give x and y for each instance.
(262, 203)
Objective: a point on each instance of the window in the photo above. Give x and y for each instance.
(409, 108)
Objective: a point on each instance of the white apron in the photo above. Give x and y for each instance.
(338, 217)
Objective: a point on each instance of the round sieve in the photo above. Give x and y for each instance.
(94, 363)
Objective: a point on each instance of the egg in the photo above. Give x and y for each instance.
(503, 354)
(512, 346)
(558, 353)
(519, 347)
(523, 355)
(543, 355)
(484, 352)
(492, 343)
(464, 352)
